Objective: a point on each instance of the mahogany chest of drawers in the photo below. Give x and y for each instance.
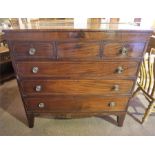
(73, 73)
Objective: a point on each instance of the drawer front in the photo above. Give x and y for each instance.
(80, 70)
(94, 87)
(121, 50)
(33, 50)
(56, 35)
(79, 50)
(76, 104)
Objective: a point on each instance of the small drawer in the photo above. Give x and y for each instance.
(33, 50)
(68, 87)
(76, 104)
(128, 50)
(78, 70)
(79, 50)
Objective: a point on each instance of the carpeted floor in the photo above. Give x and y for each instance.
(13, 120)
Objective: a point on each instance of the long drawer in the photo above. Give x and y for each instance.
(94, 87)
(82, 70)
(60, 35)
(76, 104)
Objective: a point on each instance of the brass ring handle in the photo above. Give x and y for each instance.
(35, 70)
(116, 87)
(41, 105)
(112, 104)
(38, 88)
(119, 70)
(124, 51)
(32, 51)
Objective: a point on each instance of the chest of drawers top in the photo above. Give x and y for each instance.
(70, 29)
(77, 35)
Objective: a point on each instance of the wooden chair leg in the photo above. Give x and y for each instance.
(148, 111)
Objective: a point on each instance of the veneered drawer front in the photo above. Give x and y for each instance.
(94, 87)
(78, 50)
(33, 50)
(63, 35)
(80, 70)
(120, 50)
(76, 104)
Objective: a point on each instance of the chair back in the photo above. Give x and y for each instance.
(147, 71)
